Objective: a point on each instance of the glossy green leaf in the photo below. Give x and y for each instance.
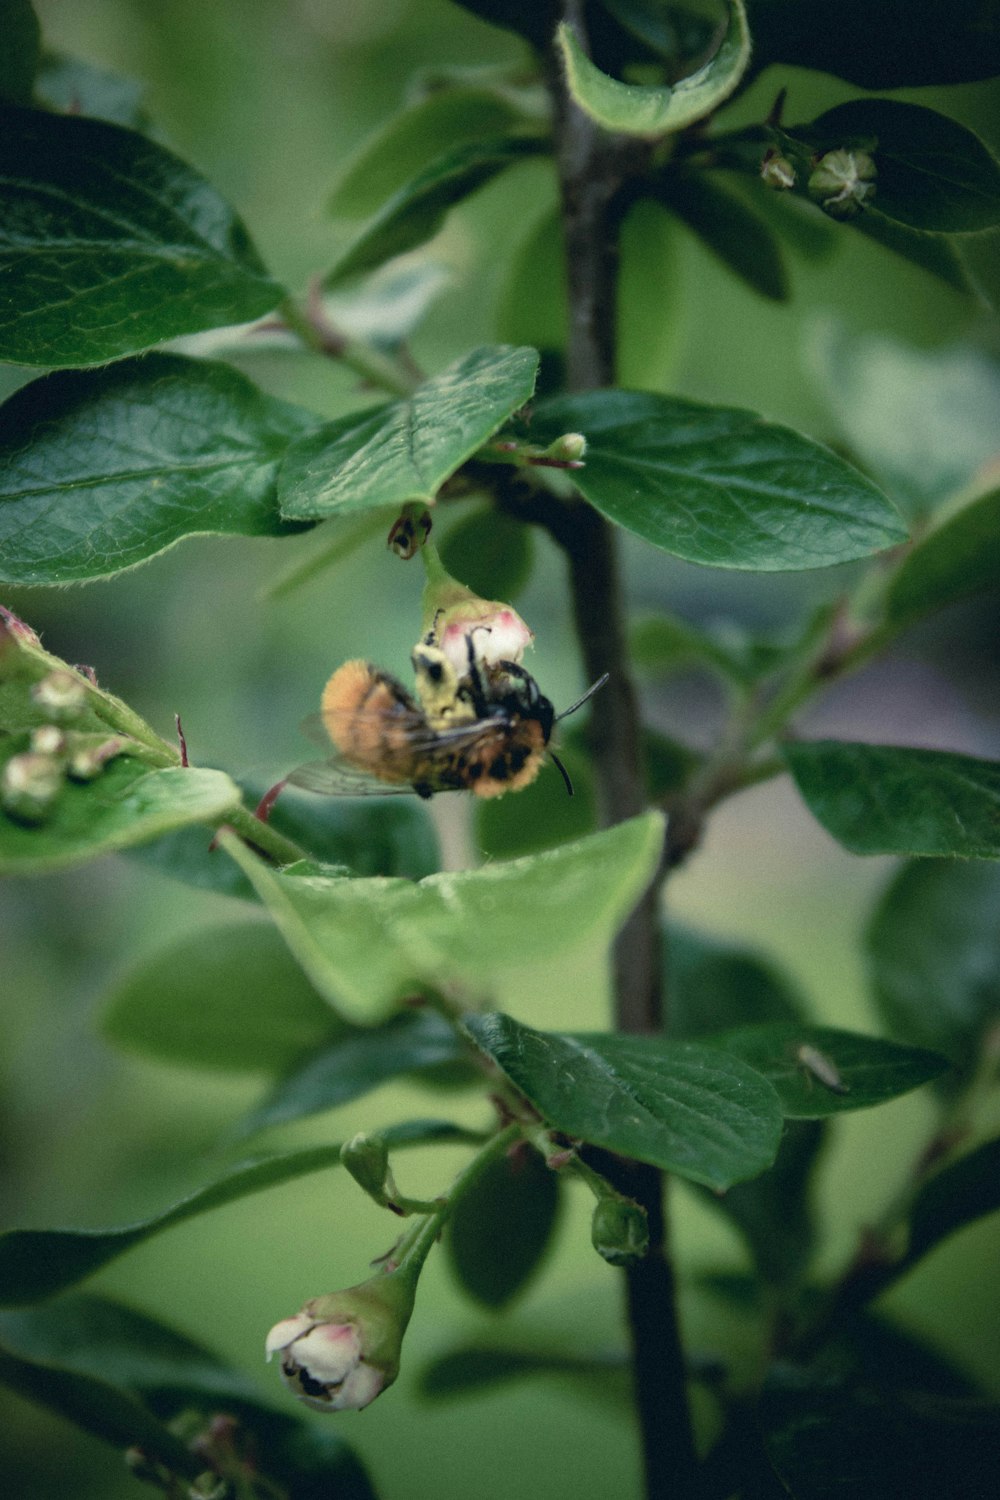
(407, 449)
(933, 173)
(922, 421)
(650, 110)
(109, 243)
(36, 1263)
(960, 1193)
(100, 1408)
(730, 228)
(880, 46)
(226, 997)
(368, 944)
(69, 85)
(418, 1044)
(500, 1229)
(415, 137)
(959, 559)
(19, 50)
(491, 552)
(934, 957)
(688, 1108)
(818, 1070)
(719, 486)
(95, 1340)
(128, 804)
(100, 469)
(416, 212)
(366, 837)
(884, 799)
(714, 986)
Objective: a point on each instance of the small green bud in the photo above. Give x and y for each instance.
(842, 182)
(61, 696)
(366, 1157)
(570, 448)
(208, 1486)
(30, 785)
(619, 1230)
(89, 758)
(777, 171)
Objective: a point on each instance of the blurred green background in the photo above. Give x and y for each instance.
(269, 99)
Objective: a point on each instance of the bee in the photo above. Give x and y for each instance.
(487, 731)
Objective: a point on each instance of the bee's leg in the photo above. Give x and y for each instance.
(423, 790)
(477, 687)
(430, 639)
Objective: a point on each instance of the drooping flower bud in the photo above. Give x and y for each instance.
(342, 1350)
(30, 784)
(776, 171)
(619, 1230)
(366, 1157)
(453, 615)
(61, 696)
(842, 182)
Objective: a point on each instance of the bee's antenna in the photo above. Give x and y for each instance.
(595, 687)
(563, 772)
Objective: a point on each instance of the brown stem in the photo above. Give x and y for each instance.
(592, 172)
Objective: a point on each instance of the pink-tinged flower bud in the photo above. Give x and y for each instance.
(342, 1350)
(453, 615)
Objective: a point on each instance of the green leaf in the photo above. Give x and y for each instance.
(68, 85)
(880, 46)
(833, 1440)
(414, 138)
(478, 1367)
(407, 449)
(227, 997)
(128, 804)
(934, 956)
(100, 469)
(529, 18)
(652, 111)
(418, 1044)
(368, 837)
(416, 211)
(959, 559)
(922, 421)
(687, 1108)
(19, 50)
(933, 173)
(95, 1339)
(773, 1213)
(491, 552)
(818, 1071)
(109, 243)
(36, 1263)
(501, 1228)
(729, 227)
(714, 986)
(368, 944)
(542, 816)
(719, 486)
(960, 1193)
(936, 254)
(99, 1408)
(664, 644)
(884, 799)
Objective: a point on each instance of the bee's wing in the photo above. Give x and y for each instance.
(335, 778)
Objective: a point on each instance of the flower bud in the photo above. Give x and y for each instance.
(89, 758)
(366, 1157)
(30, 785)
(619, 1230)
(342, 1350)
(776, 171)
(453, 614)
(842, 182)
(48, 739)
(61, 696)
(568, 449)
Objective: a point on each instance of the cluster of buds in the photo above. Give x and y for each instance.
(842, 182)
(342, 1350)
(33, 779)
